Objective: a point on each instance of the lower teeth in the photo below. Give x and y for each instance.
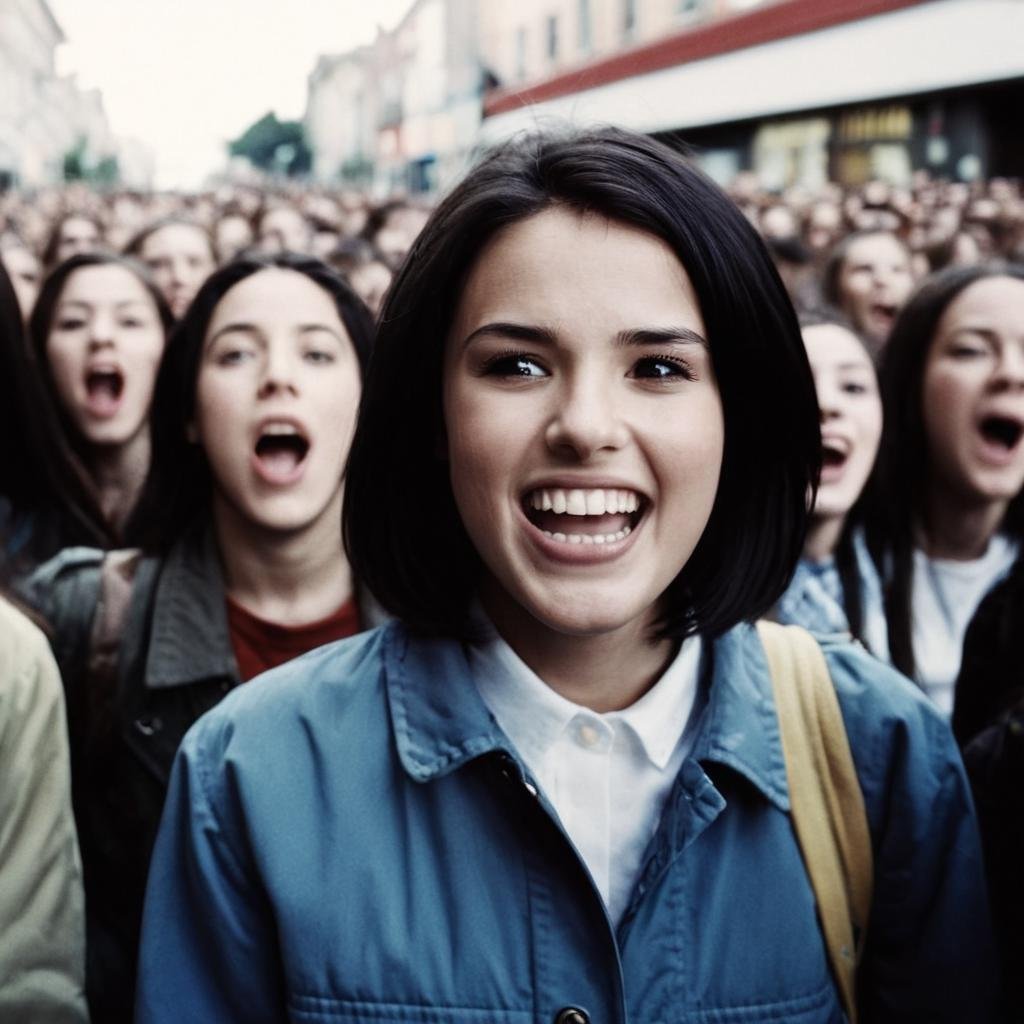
(589, 538)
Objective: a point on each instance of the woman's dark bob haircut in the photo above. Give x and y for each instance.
(898, 483)
(403, 532)
(177, 490)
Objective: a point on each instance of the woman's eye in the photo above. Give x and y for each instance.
(319, 356)
(70, 323)
(661, 368)
(232, 356)
(131, 322)
(854, 389)
(514, 365)
(966, 351)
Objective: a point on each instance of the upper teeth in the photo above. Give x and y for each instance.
(576, 502)
(279, 429)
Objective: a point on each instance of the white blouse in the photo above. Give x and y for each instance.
(607, 775)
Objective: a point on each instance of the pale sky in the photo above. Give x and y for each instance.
(187, 75)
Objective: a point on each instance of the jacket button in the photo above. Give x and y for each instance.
(572, 1015)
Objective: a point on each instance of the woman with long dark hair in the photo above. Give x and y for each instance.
(946, 507)
(98, 332)
(242, 567)
(836, 587)
(46, 501)
(554, 789)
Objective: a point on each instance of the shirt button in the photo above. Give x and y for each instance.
(572, 1015)
(589, 736)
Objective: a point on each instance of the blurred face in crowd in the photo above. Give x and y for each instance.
(284, 229)
(180, 259)
(874, 282)
(25, 273)
(851, 415)
(77, 234)
(276, 400)
(973, 394)
(778, 222)
(370, 282)
(965, 250)
(231, 235)
(824, 226)
(103, 349)
(324, 242)
(584, 423)
(391, 245)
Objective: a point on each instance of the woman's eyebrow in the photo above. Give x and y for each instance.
(238, 326)
(975, 328)
(313, 326)
(508, 329)
(660, 336)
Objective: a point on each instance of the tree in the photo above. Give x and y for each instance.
(279, 147)
(76, 166)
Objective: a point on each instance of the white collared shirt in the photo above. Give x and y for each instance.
(607, 775)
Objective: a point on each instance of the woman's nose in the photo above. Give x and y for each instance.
(1010, 367)
(584, 422)
(101, 331)
(278, 373)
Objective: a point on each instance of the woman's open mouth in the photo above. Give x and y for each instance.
(584, 517)
(834, 456)
(1001, 436)
(883, 314)
(279, 454)
(104, 390)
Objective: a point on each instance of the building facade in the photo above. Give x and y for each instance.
(43, 116)
(403, 113)
(799, 91)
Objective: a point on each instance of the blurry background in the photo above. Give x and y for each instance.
(397, 96)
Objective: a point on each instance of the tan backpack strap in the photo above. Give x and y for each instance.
(827, 806)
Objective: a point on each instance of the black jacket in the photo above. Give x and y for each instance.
(175, 662)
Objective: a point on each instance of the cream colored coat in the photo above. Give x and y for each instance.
(42, 922)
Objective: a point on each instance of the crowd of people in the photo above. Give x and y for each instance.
(522, 470)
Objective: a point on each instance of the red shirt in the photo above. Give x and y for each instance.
(260, 645)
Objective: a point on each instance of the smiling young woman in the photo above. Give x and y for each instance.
(553, 790)
(243, 566)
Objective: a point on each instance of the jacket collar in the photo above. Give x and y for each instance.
(189, 639)
(740, 728)
(441, 722)
(439, 719)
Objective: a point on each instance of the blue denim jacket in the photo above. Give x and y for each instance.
(352, 838)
